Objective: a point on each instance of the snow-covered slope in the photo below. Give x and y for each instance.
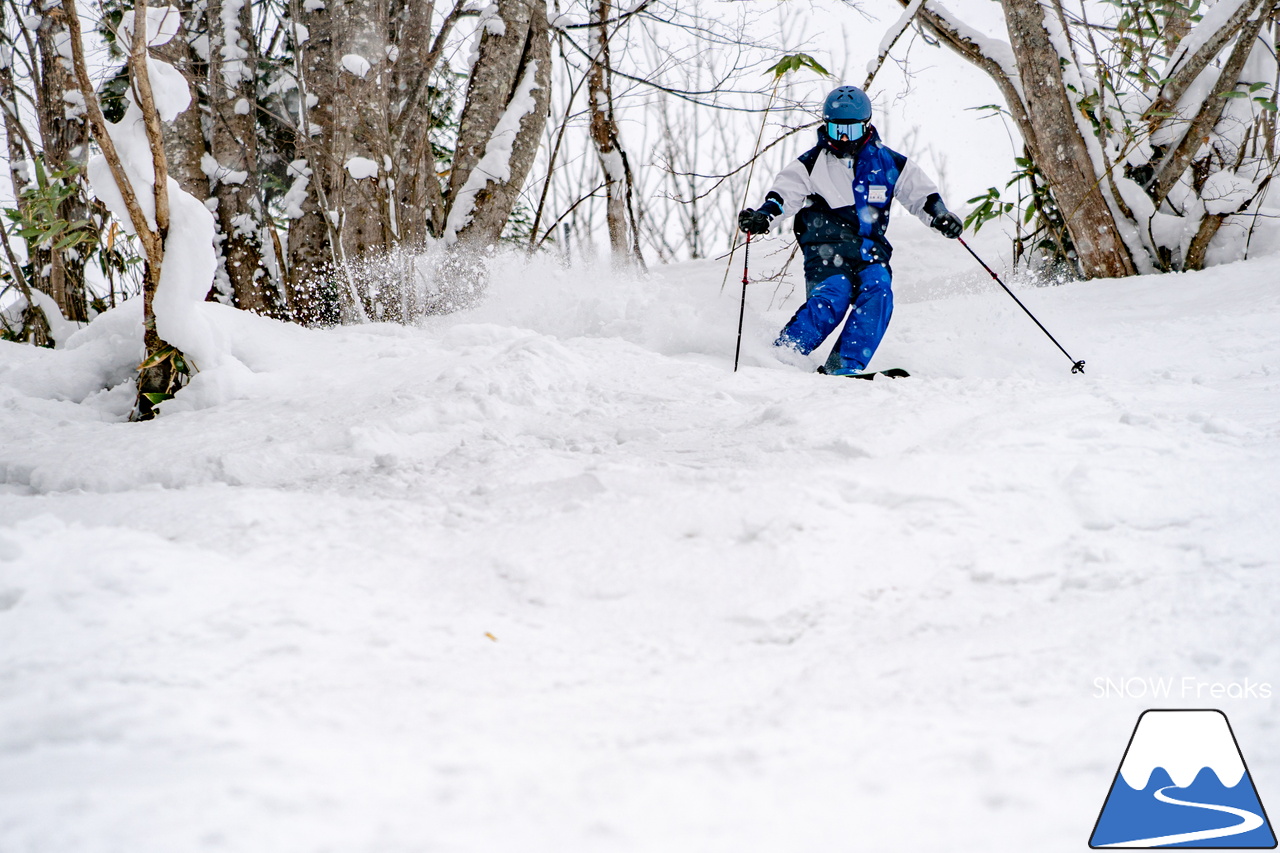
(548, 575)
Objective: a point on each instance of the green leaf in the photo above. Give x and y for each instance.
(157, 357)
(155, 398)
(71, 240)
(794, 62)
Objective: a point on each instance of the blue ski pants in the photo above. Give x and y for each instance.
(868, 291)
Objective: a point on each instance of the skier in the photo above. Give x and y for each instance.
(839, 192)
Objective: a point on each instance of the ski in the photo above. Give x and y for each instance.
(892, 373)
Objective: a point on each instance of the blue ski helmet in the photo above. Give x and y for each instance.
(847, 103)
(846, 112)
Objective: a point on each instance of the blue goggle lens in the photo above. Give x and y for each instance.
(852, 130)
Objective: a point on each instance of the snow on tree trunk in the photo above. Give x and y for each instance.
(1229, 186)
(14, 133)
(312, 292)
(417, 53)
(502, 121)
(184, 137)
(604, 134)
(232, 166)
(1158, 144)
(360, 128)
(344, 65)
(1058, 147)
(131, 178)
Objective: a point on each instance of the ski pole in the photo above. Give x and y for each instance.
(742, 309)
(1076, 366)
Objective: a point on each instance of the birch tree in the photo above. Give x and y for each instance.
(604, 134)
(501, 125)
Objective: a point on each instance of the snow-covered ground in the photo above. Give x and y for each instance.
(548, 576)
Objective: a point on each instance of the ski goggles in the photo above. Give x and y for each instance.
(851, 130)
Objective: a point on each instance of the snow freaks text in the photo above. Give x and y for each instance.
(1186, 687)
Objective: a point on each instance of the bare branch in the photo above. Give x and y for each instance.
(891, 38)
(617, 19)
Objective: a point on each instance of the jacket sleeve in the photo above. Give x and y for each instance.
(791, 189)
(913, 191)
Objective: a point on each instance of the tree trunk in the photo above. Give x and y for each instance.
(360, 128)
(162, 371)
(417, 192)
(1199, 131)
(507, 100)
(312, 298)
(1059, 149)
(65, 142)
(35, 323)
(232, 104)
(604, 134)
(184, 137)
(17, 145)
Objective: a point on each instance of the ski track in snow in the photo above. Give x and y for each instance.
(547, 575)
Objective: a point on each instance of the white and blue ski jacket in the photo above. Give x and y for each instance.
(846, 199)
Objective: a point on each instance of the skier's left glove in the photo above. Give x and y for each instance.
(949, 224)
(943, 220)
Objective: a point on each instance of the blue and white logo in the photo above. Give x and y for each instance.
(1183, 783)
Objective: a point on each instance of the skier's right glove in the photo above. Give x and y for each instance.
(758, 221)
(754, 221)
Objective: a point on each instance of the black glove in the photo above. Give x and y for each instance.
(942, 219)
(949, 224)
(754, 221)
